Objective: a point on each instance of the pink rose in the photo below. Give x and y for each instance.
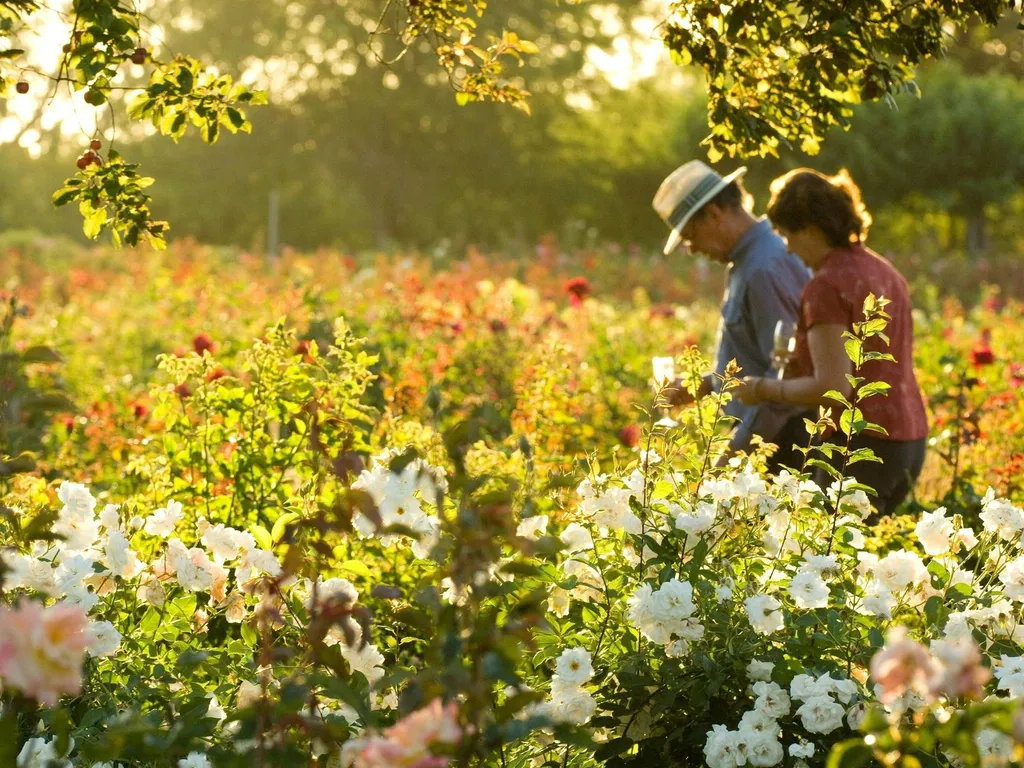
(903, 665)
(42, 649)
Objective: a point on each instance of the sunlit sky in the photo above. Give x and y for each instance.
(25, 117)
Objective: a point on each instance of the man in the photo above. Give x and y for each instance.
(707, 213)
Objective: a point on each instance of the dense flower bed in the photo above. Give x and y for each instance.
(452, 527)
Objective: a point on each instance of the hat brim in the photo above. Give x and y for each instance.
(676, 236)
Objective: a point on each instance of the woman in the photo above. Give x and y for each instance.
(825, 223)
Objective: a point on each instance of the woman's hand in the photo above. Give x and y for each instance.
(750, 391)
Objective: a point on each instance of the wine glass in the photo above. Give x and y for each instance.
(785, 344)
(664, 371)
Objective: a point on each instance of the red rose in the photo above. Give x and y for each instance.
(302, 348)
(1016, 375)
(578, 289)
(182, 390)
(139, 410)
(629, 435)
(216, 373)
(982, 355)
(202, 343)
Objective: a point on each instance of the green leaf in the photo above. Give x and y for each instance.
(262, 536)
(211, 132)
(873, 388)
(852, 422)
(249, 635)
(41, 354)
(863, 454)
(236, 118)
(854, 351)
(833, 394)
(699, 553)
(64, 196)
(93, 223)
(849, 754)
(150, 621)
(277, 533)
(827, 468)
(356, 567)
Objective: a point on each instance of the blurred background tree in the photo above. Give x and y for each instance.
(367, 155)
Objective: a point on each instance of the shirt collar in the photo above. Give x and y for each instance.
(743, 246)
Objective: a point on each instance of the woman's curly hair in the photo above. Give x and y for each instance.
(804, 197)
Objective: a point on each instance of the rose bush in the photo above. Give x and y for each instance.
(280, 560)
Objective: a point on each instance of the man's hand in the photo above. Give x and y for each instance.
(677, 394)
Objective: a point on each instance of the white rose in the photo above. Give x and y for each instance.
(804, 687)
(878, 601)
(994, 747)
(589, 582)
(755, 723)
(804, 749)
(698, 522)
(558, 602)
(574, 666)
(78, 501)
(934, 530)
(576, 538)
(764, 751)
(234, 608)
(222, 541)
(674, 600)
(724, 748)
(764, 614)
(162, 523)
(366, 660)
(855, 715)
(760, 670)
(820, 564)
(110, 517)
(821, 714)
(966, 537)
(1000, 516)
(808, 590)
(899, 570)
(104, 639)
(772, 699)
(1012, 577)
(533, 527)
(677, 649)
(39, 753)
(151, 591)
(573, 706)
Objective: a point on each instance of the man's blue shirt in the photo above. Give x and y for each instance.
(764, 286)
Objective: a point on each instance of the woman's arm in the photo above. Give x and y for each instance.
(831, 366)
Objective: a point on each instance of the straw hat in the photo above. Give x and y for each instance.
(683, 193)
